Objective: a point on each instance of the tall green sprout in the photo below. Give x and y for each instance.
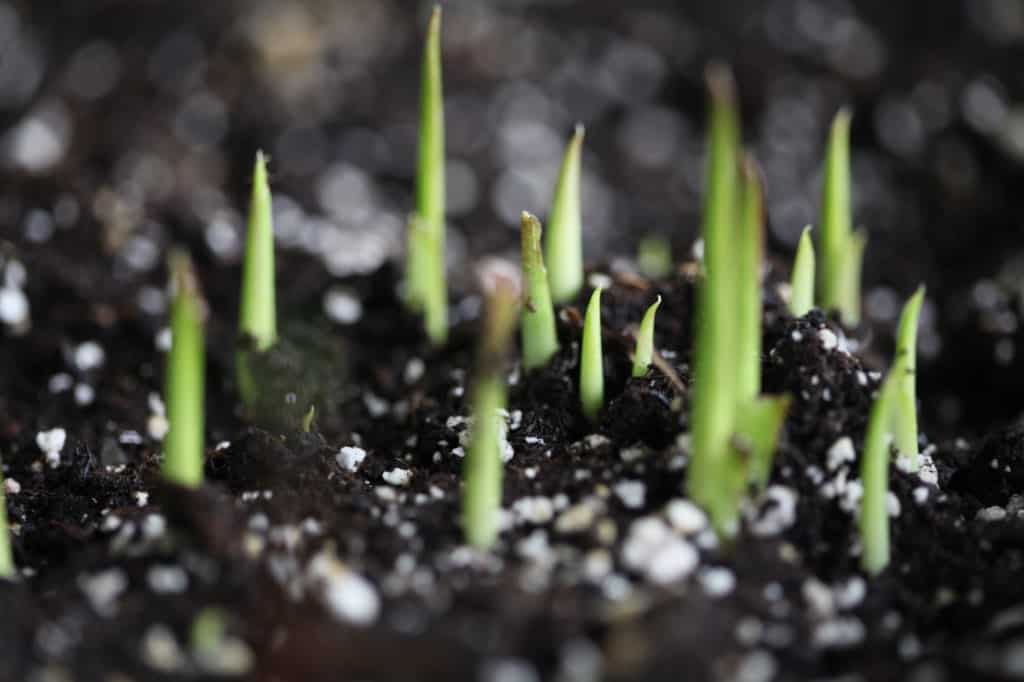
(750, 247)
(257, 318)
(592, 360)
(873, 522)
(564, 242)
(714, 396)
(481, 495)
(644, 354)
(734, 429)
(801, 298)
(184, 389)
(539, 335)
(905, 371)
(7, 569)
(425, 278)
(840, 249)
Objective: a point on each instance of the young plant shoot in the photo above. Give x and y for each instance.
(840, 249)
(183, 445)
(733, 429)
(750, 246)
(6, 556)
(481, 495)
(425, 277)
(714, 399)
(539, 335)
(801, 297)
(905, 369)
(644, 354)
(257, 319)
(592, 360)
(564, 242)
(874, 476)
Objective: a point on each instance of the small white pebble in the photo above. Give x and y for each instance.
(828, 339)
(673, 561)
(141, 498)
(631, 493)
(717, 581)
(167, 579)
(89, 355)
(84, 394)
(686, 517)
(102, 590)
(841, 452)
(348, 596)
(991, 514)
(536, 510)
(51, 443)
(414, 370)
(11, 486)
(342, 306)
(60, 382)
(397, 476)
(160, 650)
(349, 458)
(154, 526)
(14, 308)
(162, 340)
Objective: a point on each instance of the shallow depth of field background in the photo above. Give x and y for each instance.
(127, 125)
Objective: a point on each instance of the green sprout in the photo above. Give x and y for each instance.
(644, 354)
(750, 246)
(564, 241)
(734, 430)
(183, 445)
(257, 319)
(481, 496)
(307, 419)
(801, 297)
(425, 279)
(539, 335)
(654, 256)
(714, 400)
(905, 368)
(6, 556)
(842, 250)
(592, 360)
(207, 631)
(874, 475)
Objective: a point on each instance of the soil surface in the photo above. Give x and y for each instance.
(336, 554)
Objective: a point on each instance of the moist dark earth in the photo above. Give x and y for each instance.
(337, 554)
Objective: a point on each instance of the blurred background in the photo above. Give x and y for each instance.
(127, 125)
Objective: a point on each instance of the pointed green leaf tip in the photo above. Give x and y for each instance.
(750, 246)
(714, 401)
(592, 360)
(905, 371)
(801, 298)
(644, 354)
(840, 251)
(873, 521)
(564, 241)
(425, 280)
(757, 432)
(6, 556)
(258, 310)
(482, 469)
(539, 335)
(184, 390)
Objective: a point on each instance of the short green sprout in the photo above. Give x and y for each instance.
(539, 334)
(873, 522)
(183, 388)
(7, 570)
(801, 297)
(564, 242)
(481, 495)
(733, 429)
(841, 250)
(592, 360)
(644, 354)
(308, 418)
(207, 631)
(257, 319)
(905, 369)
(654, 256)
(425, 277)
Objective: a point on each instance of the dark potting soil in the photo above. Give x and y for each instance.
(337, 554)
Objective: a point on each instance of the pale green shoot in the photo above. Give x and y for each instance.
(564, 241)
(644, 354)
(801, 297)
(539, 334)
(592, 360)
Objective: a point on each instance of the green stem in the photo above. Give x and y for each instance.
(644, 353)
(905, 370)
(750, 245)
(801, 299)
(183, 445)
(539, 334)
(564, 241)
(592, 360)
(7, 568)
(874, 475)
(836, 221)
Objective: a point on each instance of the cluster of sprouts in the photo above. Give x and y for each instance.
(734, 428)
